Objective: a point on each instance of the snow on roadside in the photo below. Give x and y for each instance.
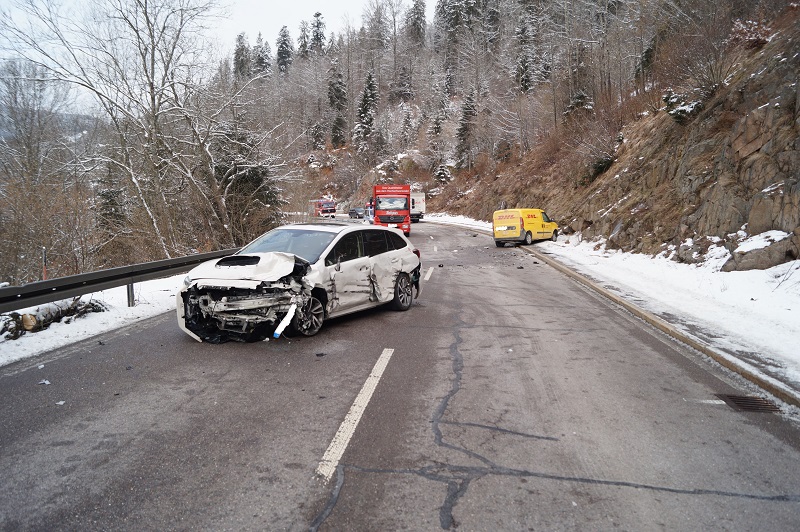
(752, 311)
(152, 298)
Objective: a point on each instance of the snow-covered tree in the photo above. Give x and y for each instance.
(337, 99)
(284, 51)
(303, 41)
(242, 58)
(465, 133)
(317, 44)
(261, 57)
(415, 22)
(365, 114)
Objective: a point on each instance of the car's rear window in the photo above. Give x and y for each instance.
(305, 243)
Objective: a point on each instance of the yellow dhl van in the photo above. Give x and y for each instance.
(522, 225)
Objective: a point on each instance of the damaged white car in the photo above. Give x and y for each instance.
(297, 276)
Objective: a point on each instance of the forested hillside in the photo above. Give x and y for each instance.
(656, 123)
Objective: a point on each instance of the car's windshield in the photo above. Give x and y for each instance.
(392, 204)
(305, 243)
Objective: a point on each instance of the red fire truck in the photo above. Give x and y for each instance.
(392, 204)
(325, 208)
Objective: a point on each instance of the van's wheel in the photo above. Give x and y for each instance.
(307, 320)
(402, 293)
(499, 244)
(554, 238)
(528, 238)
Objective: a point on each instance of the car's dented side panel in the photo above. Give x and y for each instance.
(385, 268)
(350, 284)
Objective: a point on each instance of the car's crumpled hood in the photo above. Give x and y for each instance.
(244, 271)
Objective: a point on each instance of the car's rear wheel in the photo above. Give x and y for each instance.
(528, 238)
(307, 320)
(499, 244)
(403, 295)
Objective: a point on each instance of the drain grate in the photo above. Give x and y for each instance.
(749, 403)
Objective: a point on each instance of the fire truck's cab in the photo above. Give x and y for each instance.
(325, 208)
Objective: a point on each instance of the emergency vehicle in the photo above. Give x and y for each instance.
(324, 207)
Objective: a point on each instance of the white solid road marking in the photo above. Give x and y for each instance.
(330, 460)
(435, 249)
(428, 275)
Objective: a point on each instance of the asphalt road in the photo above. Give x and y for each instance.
(507, 398)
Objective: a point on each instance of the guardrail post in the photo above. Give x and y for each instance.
(131, 301)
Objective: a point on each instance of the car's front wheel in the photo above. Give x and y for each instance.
(307, 320)
(554, 238)
(402, 292)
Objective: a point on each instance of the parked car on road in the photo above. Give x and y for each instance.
(297, 276)
(356, 212)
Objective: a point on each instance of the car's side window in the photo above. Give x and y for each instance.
(348, 248)
(375, 242)
(545, 218)
(396, 241)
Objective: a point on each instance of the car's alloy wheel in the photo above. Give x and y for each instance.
(402, 293)
(308, 320)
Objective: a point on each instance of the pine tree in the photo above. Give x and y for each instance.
(365, 114)
(337, 98)
(401, 89)
(442, 174)
(302, 41)
(415, 22)
(261, 57)
(242, 65)
(284, 54)
(522, 73)
(465, 132)
(406, 129)
(317, 45)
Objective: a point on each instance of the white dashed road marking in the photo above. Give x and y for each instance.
(330, 460)
(428, 275)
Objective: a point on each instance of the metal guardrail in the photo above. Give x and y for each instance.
(39, 292)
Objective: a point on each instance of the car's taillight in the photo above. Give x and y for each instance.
(416, 252)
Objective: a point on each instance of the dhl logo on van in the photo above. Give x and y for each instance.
(514, 216)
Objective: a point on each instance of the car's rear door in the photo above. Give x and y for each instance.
(389, 258)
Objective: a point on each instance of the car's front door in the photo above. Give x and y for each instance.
(348, 269)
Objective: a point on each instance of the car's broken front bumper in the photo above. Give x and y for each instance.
(217, 313)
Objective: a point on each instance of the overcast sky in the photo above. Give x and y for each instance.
(268, 16)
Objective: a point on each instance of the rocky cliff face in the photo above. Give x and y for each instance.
(715, 176)
(688, 176)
